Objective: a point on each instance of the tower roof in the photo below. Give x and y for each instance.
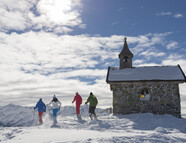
(125, 51)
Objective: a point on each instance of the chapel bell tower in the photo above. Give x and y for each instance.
(125, 56)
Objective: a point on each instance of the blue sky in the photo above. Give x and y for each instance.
(63, 46)
(107, 17)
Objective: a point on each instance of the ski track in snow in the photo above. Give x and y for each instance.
(18, 124)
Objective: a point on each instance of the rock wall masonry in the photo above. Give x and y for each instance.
(164, 98)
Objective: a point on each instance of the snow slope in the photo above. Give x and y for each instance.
(18, 126)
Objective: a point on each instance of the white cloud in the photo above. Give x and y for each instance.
(172, 45)
(138, 61)
(150, 53)
(179, 15)
(58, 12)
(150, 39)
(175, 59)
(82, 26)
(115, 23)
(148, 64)
(58, 15)
(148, 46)
(163, 13)
(62, 30)
(14, 16)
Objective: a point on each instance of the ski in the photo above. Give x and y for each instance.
(108, 109)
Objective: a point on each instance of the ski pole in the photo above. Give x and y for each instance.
(74, 112)
(33, 117)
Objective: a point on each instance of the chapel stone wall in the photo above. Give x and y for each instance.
(164, 98)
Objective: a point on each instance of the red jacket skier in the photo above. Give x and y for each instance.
(78, 100)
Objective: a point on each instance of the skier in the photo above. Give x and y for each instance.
(41, 108)
(78, 100)
(92, 105)
(55, 104)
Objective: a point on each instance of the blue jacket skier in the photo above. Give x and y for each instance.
(41, 108)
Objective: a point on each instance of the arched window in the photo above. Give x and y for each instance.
(145, 94)
(125, 59)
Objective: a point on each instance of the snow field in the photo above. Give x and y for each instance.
(18, 126)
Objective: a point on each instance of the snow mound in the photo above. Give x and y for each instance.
(14, 115)
(161, 130)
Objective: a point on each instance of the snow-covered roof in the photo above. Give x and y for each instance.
(151, 73)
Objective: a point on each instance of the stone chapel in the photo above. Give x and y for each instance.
(153, 89)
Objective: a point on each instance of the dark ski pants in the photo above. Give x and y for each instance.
(92, 111)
